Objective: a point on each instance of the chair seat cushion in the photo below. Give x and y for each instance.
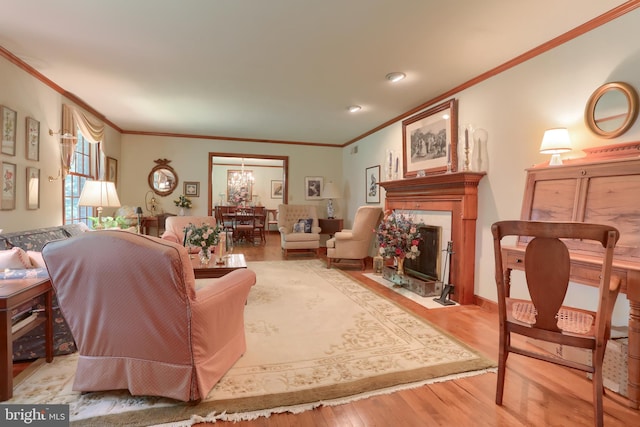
(301, 237)
(569, 320)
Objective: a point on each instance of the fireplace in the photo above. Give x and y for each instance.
(427, 265)
(456, 193)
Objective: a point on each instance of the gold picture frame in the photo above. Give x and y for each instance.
(430, 141)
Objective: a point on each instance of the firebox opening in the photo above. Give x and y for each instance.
(427, 265)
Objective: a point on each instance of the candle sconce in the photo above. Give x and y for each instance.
(391, 165)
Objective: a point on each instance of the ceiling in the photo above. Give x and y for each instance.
(278, 70)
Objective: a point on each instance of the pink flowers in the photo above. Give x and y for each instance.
(398, 236)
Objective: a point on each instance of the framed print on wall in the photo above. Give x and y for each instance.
(313, 187)
(430, 140)
(8, 119)
(371, 180)
(276, 189)
(32, 139)
(8, 182)
(33, 188)
(192, 188)
(239, 190)
(112, 170)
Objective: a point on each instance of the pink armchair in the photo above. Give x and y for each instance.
(138, 320)
(174, 228)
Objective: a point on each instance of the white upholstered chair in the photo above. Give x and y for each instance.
(290, 240)
(354, 244)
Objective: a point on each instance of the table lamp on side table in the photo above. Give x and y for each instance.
(330, 191)
(99, 194)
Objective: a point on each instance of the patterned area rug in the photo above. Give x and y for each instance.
(314, 337)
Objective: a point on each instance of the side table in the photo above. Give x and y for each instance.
(13, 293)
(330, 226)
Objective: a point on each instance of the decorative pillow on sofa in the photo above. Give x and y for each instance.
(15, 258)
(36, 259)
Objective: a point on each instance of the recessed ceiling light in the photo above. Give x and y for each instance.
(353, 108)
(395, 76)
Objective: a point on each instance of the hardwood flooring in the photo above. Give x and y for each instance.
(536, 393)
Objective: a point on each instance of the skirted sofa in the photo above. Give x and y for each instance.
(30, 243)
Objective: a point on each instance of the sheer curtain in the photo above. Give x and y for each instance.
(92, 130)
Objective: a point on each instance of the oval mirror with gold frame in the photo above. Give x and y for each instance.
(162, 178)
(612, 109)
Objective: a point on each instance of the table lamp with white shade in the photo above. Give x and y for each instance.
(99, 194)
(330, 191)
(554, 142)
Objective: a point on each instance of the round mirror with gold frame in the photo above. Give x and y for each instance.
(162, 178)
(612, 109)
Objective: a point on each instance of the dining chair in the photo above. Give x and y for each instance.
(547, 273)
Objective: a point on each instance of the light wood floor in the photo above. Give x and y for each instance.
(536, 393)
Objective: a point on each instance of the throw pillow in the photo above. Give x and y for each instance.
(36, 259)
(14, 258)
(298, 227)
(308, 223)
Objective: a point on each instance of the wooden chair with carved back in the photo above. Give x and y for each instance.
(547, 270)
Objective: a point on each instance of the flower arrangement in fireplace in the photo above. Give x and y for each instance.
(204, 236)
(398, 236)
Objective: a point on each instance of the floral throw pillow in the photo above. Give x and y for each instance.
(303, 225)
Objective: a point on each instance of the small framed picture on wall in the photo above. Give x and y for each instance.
(313, 187)
(192, 188)
(371, 181)
(32, 148)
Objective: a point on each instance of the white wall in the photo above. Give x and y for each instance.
(516, 107)
(29, 97)
(189, 157)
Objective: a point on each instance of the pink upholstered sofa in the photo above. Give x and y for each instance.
(138, 320)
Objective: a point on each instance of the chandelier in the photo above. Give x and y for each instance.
(242, 178)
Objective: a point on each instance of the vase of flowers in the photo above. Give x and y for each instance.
(183, 203)
(204, 237)
(398, 237)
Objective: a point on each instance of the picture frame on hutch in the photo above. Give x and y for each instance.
(8, 183)
(371, 184)
(32, 139)
(313, 186)
(33, 188)
(8, 119)
(430, 141)
(192, 188)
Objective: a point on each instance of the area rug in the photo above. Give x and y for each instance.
(314, 337)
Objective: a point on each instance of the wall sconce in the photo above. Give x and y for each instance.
(554, 142)
(65, 135)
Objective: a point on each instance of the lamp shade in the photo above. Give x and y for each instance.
(555, 141)
(99, 194)
(330, 191)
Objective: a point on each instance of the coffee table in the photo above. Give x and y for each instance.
(213, 270)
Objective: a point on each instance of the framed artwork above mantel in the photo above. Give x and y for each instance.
(430, 141)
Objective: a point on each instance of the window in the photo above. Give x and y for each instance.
(82, 168)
